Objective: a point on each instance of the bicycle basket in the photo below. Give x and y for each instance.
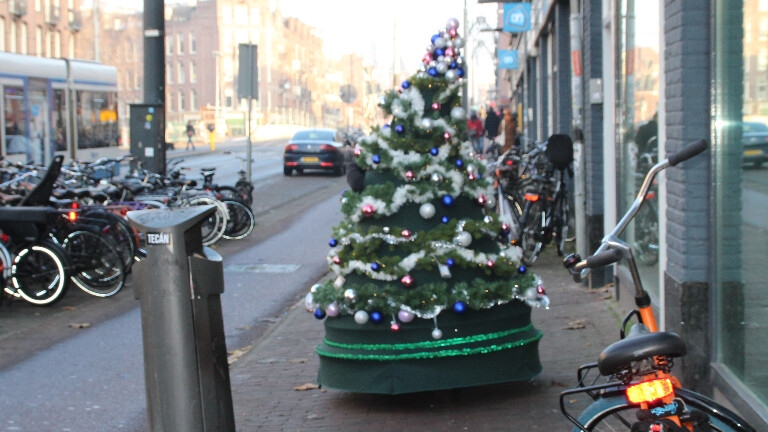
(560, 150)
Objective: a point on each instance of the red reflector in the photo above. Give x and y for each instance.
(291, 164)
(531, 197)
(510, 163)
(650, 195)
(326, 164)
(4, 237)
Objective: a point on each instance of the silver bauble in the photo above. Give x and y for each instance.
(458, 113)
(436, 178)
(463, 239)
(381, 101)
(458, 42)
(361, 317)
(427, 210)
(442, 67)
(440, 42)
(451, 75)
(426, 123)
(350, 295)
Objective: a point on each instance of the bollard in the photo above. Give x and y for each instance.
(179, 284)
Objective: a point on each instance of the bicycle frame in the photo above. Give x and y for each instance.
(639, 365)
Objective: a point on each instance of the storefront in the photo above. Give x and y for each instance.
(656, 75)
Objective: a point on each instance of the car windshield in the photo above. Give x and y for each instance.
(314, 135)
(749, 127)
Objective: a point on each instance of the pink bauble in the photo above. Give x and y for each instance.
(405, 316)
(406, 234)
(369, 210)
(490, 263)
(447, 136)
(408, 281)
(449, 52)
(394, 327)
(409, 175)
(435, 106)
(336, 259)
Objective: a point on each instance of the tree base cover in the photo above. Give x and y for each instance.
(478, 347)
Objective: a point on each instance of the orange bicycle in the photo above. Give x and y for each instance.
(640, 392)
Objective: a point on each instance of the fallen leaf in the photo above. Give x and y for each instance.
(79, 325)
(306, 386)
(577, 324)
(298, 360)
(235, 355)
(69, 308)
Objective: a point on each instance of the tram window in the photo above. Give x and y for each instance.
(16, 141)
(96, 120)
(59, 120)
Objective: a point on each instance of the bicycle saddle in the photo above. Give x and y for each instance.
(638, 345)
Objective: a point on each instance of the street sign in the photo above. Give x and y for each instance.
(508, 59)
(517, 17)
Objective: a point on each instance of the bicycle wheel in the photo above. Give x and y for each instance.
(646, 244)
(561, 224)
(227, 193)
(213, 227)
(97, 266)
(246, 191)
(39, 273)
(240, 222)
(531, 234)
(124, 236)
(616, 414)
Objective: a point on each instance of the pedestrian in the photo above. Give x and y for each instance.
(475, 132)
(492, 122)
(190, 135)
(508, 127)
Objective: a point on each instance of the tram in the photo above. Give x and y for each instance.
(57, 106)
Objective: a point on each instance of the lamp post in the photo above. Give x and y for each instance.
(472, 43)
(217, 90)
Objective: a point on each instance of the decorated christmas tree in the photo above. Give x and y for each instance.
(427, 291)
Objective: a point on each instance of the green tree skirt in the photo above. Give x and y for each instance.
(478, 347)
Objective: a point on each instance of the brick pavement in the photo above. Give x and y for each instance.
(266, 380)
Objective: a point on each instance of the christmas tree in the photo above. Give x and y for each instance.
(420, 249)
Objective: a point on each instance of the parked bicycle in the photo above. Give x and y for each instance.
(635, 389)
(546, 215)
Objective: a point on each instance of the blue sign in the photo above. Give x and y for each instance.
(507, 59)
(517, 17)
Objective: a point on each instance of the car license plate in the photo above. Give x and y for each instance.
(310, 159)
(756, 152)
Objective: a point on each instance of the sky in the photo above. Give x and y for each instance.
(371, 28)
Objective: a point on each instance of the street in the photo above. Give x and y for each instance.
(77, 365)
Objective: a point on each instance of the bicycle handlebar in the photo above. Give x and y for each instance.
(681, 155)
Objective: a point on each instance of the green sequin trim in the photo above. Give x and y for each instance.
(430, 354)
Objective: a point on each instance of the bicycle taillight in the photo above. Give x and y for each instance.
(531, 197)
(649, 391)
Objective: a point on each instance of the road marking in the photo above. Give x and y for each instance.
(262, 268)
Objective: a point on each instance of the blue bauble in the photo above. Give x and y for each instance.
(445, 219)
(454, 65)
(386, 126)
(447, 200)
(522, 269)
(450, 262)
(376, 316)
(376, 159)
(432, 71)
(459, 163)
(406, 84)
(439, 52)
(375, 266)
(434, 38)
(460, 72)
(319, 313)
(333, 242)
(399, 129)
(459, 307)
(434, 151)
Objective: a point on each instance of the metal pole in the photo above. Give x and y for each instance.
(154, 69)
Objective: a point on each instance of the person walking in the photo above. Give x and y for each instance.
(190, 135)
(509, 128)
(475, 132)
(491, 126)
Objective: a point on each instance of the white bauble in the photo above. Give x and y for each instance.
(361, 317)
(463, 239)
(427, 210)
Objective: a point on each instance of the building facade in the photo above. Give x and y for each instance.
(633, 81)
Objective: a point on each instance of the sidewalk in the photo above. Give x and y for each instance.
(273, 384)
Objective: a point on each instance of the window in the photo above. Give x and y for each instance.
(39, 41)
(192, 72)
(193, 100)
(180, 73)
(169, 44)
(23, 47)
(57, 44)
(179, 44)
(169, 73)
(181, 101)
(2, 34)
(192, 43)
